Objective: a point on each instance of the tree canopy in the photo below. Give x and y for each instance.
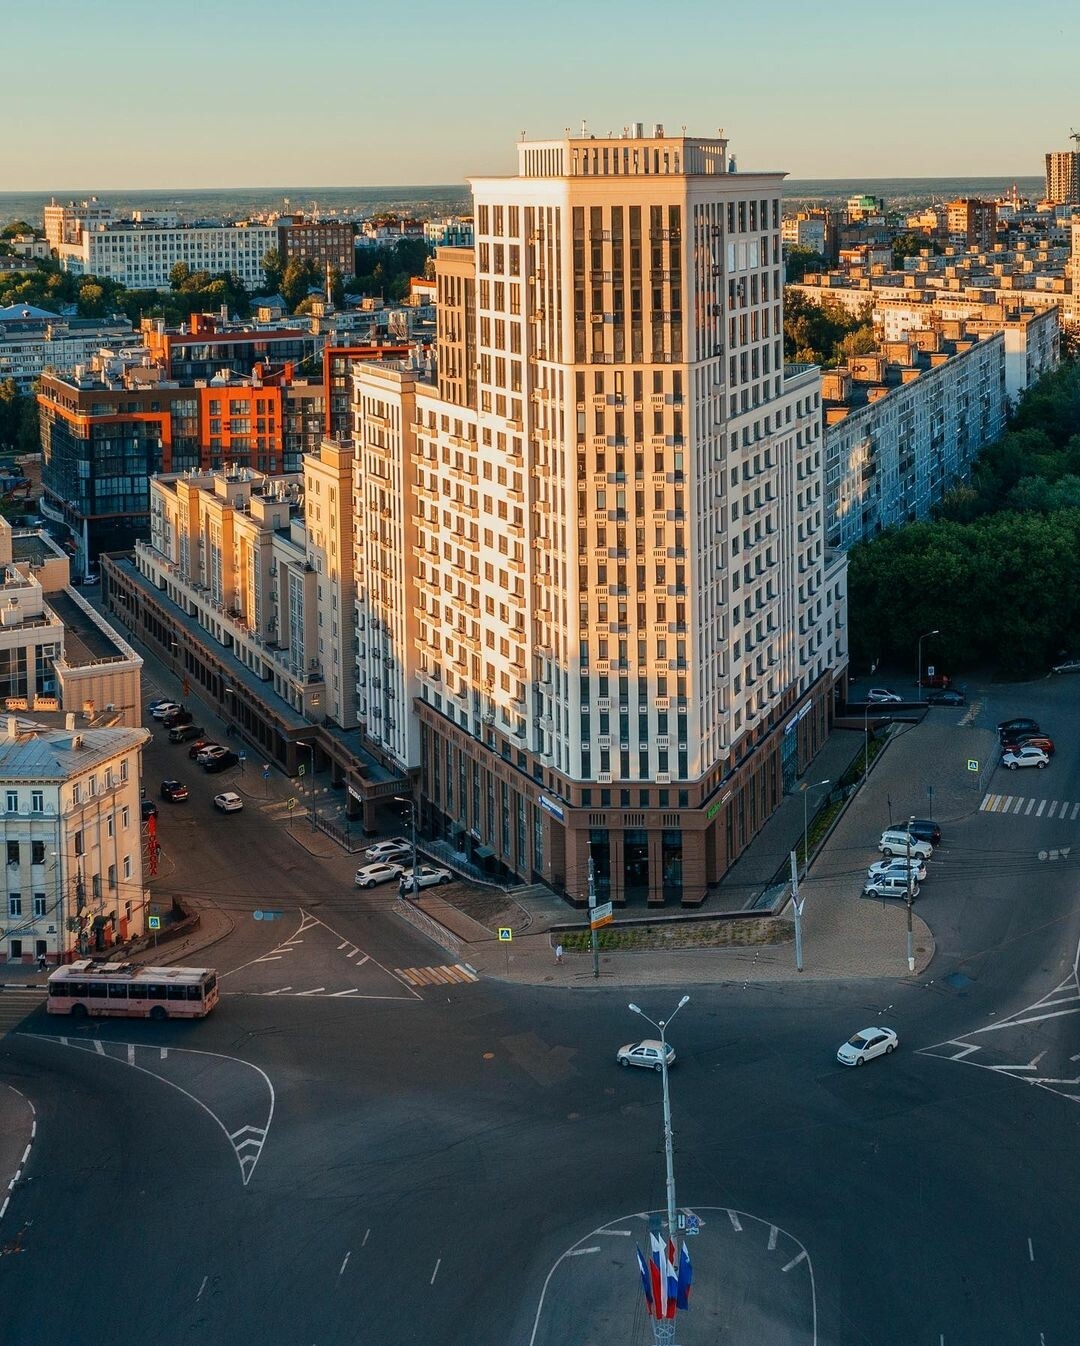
(823, 334)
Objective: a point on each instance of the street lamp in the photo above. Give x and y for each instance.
(919, 668)
(314, 816)
(805, 787)
(866, 739)
(669, 1159)
(408, 799)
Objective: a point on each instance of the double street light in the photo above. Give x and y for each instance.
(919, 664)
(661, 1026)
(806, 787)
(408, 799)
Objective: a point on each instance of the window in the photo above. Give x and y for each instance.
(39, 904)
(127, 866)
(14, 904)
(78, 843)
(109, 825)
(124, 816)
(112, 876)
(37, 801)
(95, 884)
(12, 801)
(37, 852)
(91, 786)
(76, 794)
(123, 770)
(13, 852)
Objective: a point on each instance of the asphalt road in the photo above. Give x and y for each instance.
(338, 1155)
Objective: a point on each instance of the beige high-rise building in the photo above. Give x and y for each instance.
(1063, 177)
(594, 602)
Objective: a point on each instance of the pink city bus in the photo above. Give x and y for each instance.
(130, 991)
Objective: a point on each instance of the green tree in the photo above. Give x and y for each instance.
(799, 260)
(17, 227)
(273, 267)
(91, 300)
(179, 275)
(299, 276)
(908, 245)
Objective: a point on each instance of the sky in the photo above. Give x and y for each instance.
(220, 93)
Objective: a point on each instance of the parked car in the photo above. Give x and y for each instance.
(1068, 666)
(866, 1044)
(1021, 725)
(149, 809)
(380, 871)
(649, 1052)
(934, 680)
(177, 717)
(896, 841)
(152, 706)
(209, 750)
(221, 762)
(896, 883)
(427, 876)
(200, 745)
(181, 733)
(228, 802)
(951, 697)
(899, 864)
(1030, 741)
(1025, 757)
(160, 709)
(881, 696)
(389, 850)
(91, 578)
(925, 829)
(174, 790)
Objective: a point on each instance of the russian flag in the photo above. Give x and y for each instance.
(644, 1278)
(672, 1277)
(686, 1276)
(658, 1273)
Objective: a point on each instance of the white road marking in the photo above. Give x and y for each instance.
(99, 1047)
(1031, 1250)
(1075, 811)
(1075, 1058)
(438, 1263)
(799, 1256)
(1039, 811)
(343, 945)
(1019, 805)
(1030, 806)
(316, 991)
(985, 801)
(772, 1238)
(1052, 809)
(201, 1289)
(131, 1053)
(4, 1207)
(280, 990)
(344, 1264)
(580, 1252)
(269, 958)
(25, 1155)
(366, 958)
(624, 1233)
(351, 991)
(367, 1235)
(163, 1052)
(734, 1222)
(15, 1179)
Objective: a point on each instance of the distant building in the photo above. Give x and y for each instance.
(33, 340)
(971, 221)
(27, 245)
(449, 233)
(903, 425)
(209, 344)
(863, 209)
(813, 229)
(1063, 177)
(324, 242)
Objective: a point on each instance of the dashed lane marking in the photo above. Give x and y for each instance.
(437, 976)
(799, 1257)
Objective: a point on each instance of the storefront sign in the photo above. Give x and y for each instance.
(549, 806)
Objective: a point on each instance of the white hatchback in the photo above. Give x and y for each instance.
(382, 871)
(866, 1044)
(882, 696)
(1025, 756)
(228, 802)
(648, 1053)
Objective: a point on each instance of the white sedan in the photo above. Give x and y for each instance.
(228, 802)
(382, 871)
(427, 876)
(1025, 756)
(389, 850)
(897, 865)
(208, 753)
(162, 708)
(648, 1053)
(866, 1044)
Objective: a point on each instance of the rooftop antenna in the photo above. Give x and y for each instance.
(584, 129)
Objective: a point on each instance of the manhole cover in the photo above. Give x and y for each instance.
(957, 980)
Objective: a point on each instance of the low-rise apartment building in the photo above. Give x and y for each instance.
(33, 341)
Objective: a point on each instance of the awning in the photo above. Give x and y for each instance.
(484, 853)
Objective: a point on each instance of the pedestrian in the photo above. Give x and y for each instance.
(558, 953)
(41, 962)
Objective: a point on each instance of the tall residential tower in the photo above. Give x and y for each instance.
(594, 602)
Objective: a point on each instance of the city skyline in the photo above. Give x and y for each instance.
(870, 116)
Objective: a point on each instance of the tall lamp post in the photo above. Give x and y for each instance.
(661, 1026)
(866, 739)
(807, 786)
(314, 816)
(919, 668)
(408, 799)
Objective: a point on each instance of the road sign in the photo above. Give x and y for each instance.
(505, 934)
(154, 922)
(301, 769)
(929, 670)
(972, 764)
(601, 915)
(242, 755)
(693, 1224)
(291, 805)
(266, 771)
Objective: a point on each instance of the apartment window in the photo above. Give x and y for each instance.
(14, 904)
(109, 825)
(123, 770)
(127, 866)
(124, 817)
(91, 786)
(95, 885)
(13, 852)
(39, 904)
(37, 852)
(112, 876)
(12, 801)
(79, 843)
(76, 794)
(37, 801)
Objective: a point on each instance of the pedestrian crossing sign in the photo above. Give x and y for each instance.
(154, 922)
(505, 934)
(972, 764)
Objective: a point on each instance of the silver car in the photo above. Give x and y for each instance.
(427, 876)
(649, 1052)
(381, 871)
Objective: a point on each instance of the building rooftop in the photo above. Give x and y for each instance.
(85, 642)
(30, 751)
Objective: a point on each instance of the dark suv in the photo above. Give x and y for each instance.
(181, 733)
(923, 829)
(178, 717)
(222, 763)
(1021, 725)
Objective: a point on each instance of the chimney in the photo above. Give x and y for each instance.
(12, 727)
(69, 720)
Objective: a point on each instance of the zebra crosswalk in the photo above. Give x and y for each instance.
(446, 975)
(15, 1004)
(1060, 810)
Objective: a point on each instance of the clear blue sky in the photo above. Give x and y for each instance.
(207, 93)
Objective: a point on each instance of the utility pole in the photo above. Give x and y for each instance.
(592, 912)
(797, 907)
(661, 1025)
(910, 883)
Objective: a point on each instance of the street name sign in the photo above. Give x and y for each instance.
(602, 914)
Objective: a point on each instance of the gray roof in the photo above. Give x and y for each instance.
(50, 755)
(25, 311)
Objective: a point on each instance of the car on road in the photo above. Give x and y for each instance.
(427, 876)
(200, 745)
(866, 1044)
(1067, 666)
(900, 842)
(379, 871)
(220, 762)
(1025, 757)
(882, 696)
(1030, 741)
(182, 733)
(934, 680)
(177, 717)
(228, 802)
(951, 696)
(159, 701)
(149, 809)
(925, 829)
(389, 850)
(1021, 725)
(208, 751)
(899, 865)
(160, 709)
(174, 790)
(895, 883)
(649, 1052)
